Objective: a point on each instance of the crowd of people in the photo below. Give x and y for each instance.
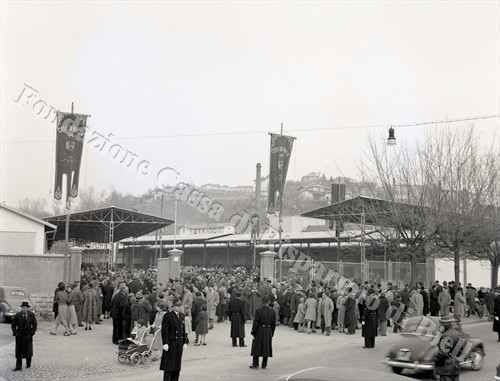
(137, 303)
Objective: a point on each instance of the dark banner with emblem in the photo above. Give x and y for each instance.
(281, 150)
(69, 146)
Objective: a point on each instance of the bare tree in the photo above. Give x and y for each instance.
(401, 215)
(464, 179)
(36, 207)
(439, 194)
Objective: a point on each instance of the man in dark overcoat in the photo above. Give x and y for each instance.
(370, 320)
(496, 313)
(175, 340)
(236, 312)
(23, 328)
(264, 324)
(116, 313)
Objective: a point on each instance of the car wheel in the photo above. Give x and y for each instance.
(2, 316)
(476, 357)
(397, 370)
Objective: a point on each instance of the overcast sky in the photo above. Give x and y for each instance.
(196, 86)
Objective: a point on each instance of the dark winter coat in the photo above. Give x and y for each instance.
(350, 312)
(195, 310)
(446, 365)
(496, 314)
(433, 303)
(370, 318)
(236, 312)
(116, 305)
(263, 328)
(107, 294)
(173, 333)
(383, 306)
(201, 323)
(135, 286)
(24, 329)
(285, 304)
(425, 296)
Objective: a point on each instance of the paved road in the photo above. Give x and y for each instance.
(91, 356)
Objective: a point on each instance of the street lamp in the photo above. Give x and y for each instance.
(391, 140)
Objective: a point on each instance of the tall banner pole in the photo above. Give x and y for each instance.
(281, 150)
(70, 135)
(280, 230)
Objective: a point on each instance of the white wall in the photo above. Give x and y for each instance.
(478, 272)
(20, 235)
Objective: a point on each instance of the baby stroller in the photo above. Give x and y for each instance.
(135, 353)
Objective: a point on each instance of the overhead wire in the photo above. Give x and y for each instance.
(227, 133)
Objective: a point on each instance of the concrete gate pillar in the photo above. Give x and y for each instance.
(267, 265)
(174, 267)
(163, 271)
(75, 264)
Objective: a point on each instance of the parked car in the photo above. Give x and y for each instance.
(417, 347)
(11, 298)
(341, 374)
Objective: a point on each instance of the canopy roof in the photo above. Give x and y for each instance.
(374, 211)
(109, 224)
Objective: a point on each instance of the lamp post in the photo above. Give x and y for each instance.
(391, 140)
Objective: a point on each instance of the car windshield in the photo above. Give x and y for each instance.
(427, 325)
(17, 293)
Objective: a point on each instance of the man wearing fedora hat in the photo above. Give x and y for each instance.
(23, 328)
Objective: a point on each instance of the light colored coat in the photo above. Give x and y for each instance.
(341, 307)
(417, 303)
(212, 302)
(459, 306)
(311, 309)
(327, 310)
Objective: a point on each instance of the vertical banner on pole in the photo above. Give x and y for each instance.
(281, 150)
(69, 147)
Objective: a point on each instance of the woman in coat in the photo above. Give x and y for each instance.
(89, 311)
(341, 311)
(62, 316)
(370, 320)
(212, 302)
(459, 304)
(350, 314)
(298, 321)
(157, 345)
(311, 306)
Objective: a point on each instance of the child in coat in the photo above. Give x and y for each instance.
(201, 326)
(139, 333)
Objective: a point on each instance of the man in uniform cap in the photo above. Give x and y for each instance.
(175, 340)
(23, 328)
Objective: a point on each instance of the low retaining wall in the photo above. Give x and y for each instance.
(38, 273)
